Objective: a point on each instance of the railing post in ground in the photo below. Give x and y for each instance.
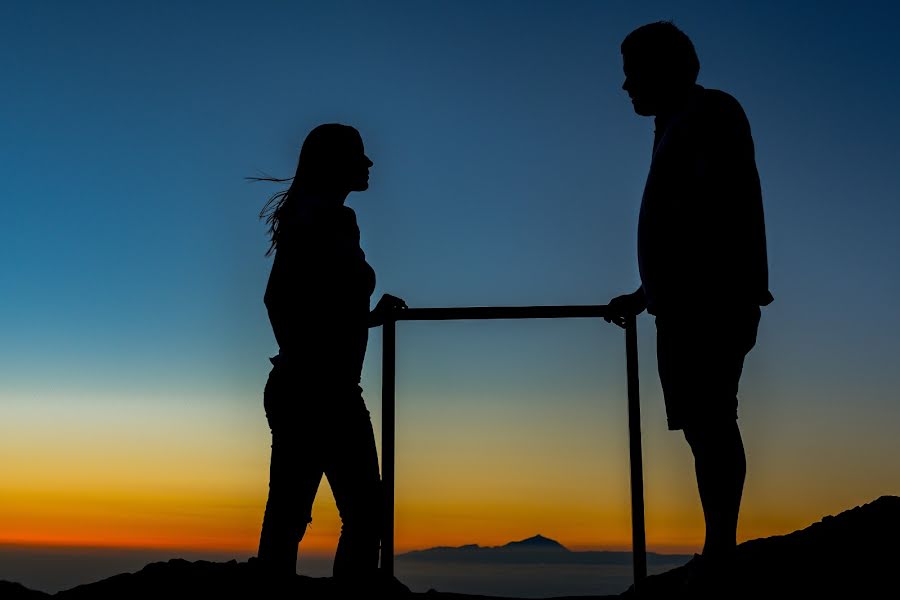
(387, 443)
(638, 536)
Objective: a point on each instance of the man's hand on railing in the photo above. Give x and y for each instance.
(627, 305)
(384, 308)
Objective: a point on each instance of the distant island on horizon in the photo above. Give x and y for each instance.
(537, 549)
(533, 567)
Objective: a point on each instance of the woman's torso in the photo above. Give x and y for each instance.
(318, 293)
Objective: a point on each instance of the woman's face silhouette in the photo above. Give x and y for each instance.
(357, 166)
(333, 160)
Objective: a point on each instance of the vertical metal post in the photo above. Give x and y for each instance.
(638, 536)
(387, 443)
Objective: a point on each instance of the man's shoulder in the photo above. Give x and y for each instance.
(719, 106)
(717, 97)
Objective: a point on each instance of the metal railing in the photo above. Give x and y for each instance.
(639, 549)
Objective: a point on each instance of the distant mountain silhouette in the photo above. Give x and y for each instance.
(851, 555)
(535, 542)
(534, 567)
(533, 550)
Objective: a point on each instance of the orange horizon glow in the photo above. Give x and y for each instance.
(178, 477)
(240, 538)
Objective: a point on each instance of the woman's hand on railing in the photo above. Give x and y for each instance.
(387, 305)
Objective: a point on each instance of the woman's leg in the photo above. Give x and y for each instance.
(352, 471)
(294, 476)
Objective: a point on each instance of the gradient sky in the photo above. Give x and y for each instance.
(508, 171)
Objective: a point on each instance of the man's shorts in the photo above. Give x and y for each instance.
(700, 357)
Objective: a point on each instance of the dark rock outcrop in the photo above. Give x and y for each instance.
(852, 555)
(17, 591)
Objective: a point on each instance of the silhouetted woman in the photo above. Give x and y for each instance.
(318, 303)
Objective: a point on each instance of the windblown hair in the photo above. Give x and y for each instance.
(321, 155)
(665, 46)
(271, 211)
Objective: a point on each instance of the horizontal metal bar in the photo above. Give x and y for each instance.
(501, 312)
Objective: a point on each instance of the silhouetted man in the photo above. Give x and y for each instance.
(702, 261)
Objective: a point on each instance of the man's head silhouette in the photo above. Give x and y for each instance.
(660, 66)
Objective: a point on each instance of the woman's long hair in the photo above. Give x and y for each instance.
(321, 159)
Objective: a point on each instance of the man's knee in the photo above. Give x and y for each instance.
(711, 435)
